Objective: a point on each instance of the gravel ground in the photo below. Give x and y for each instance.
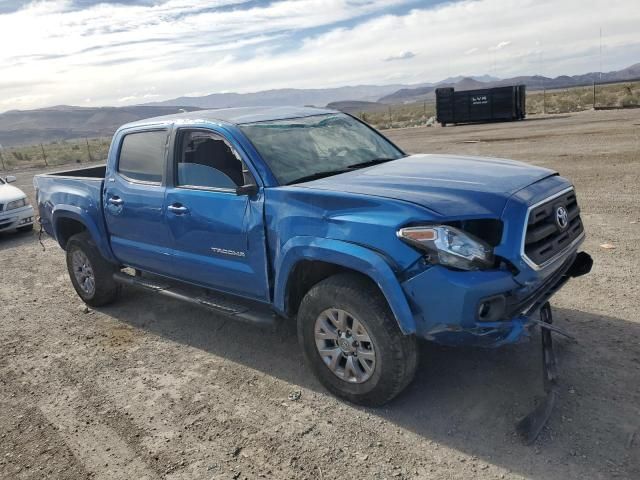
(149, 388)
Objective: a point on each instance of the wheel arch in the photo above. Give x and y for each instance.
(68, 220)
(306, 261)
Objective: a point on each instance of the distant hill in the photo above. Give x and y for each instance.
(286, 96)
(479, 78)
(355, 107)
(406, 95)
(24, 127)
(415, 94)
(533, 82)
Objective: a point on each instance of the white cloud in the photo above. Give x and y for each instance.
(54, 54)
(500, 46)
(405, 55)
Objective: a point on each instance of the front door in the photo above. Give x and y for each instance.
(217, 235)
(134, 201)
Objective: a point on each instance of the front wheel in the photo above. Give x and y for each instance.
(352, 342)
(91, 275)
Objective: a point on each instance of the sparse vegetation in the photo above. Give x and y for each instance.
(57, 152)
(399, 116)
(615, 95)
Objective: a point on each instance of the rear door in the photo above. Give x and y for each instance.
(217, 235)
(134, 201)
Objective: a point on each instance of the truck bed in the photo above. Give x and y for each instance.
(73, 194)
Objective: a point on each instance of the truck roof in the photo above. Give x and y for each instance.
(235, 116)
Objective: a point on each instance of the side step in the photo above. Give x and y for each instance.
(236, 308)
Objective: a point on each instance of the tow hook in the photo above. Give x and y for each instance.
(530, 426)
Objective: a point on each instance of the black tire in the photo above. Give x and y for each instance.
(26, 228)
(395, 353)
(106, 289)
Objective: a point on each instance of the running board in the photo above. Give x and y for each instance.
(243, 310)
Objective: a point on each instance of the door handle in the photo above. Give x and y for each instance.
(178, 209)
(117, 201)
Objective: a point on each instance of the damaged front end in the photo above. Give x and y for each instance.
(484, 308)
(502, 312)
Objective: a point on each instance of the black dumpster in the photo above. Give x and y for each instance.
(486, 105)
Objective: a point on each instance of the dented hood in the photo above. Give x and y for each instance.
(452, 186)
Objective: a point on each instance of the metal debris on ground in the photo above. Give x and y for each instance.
(295, 395)
(607, 246)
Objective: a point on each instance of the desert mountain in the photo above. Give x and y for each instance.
(533, 82)
(21, 127)
(286, 96)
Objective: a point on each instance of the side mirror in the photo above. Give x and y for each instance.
(249, 190)
(10, 179)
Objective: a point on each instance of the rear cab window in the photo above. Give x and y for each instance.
(142, 156)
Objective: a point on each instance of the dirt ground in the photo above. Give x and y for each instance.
(149, 388)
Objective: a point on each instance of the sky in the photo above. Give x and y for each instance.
(94, 53)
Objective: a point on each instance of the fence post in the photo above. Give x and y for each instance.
(594, 94)
(88, 149)
(2, 159)
(390, 119)
(44, 156)
(544, 99)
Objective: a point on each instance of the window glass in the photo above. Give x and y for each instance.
(206, 160)
(298, 148)
(142, 156)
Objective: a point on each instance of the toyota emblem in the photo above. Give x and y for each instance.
(562, 217)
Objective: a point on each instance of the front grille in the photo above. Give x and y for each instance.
(518, 304)
(544, 236)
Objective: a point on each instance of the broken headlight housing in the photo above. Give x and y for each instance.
(449, 246)
(17, 204)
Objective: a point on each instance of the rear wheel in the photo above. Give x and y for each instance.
(91, 275)
(352, 342)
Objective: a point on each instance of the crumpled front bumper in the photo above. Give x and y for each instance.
(19, 217)
(448, 305)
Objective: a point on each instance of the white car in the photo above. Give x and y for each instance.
(15, 210)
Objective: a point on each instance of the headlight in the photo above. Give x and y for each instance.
(17, 204)
(449, 246)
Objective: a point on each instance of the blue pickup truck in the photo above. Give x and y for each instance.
(312, 215)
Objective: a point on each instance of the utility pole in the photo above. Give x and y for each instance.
(88, 149)
(390, 119)
(2, 158)
(600, 54)
(424, 106)
(44, 155)
(594, 94)
(544, 86)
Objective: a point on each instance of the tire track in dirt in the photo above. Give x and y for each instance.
(100, 449)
